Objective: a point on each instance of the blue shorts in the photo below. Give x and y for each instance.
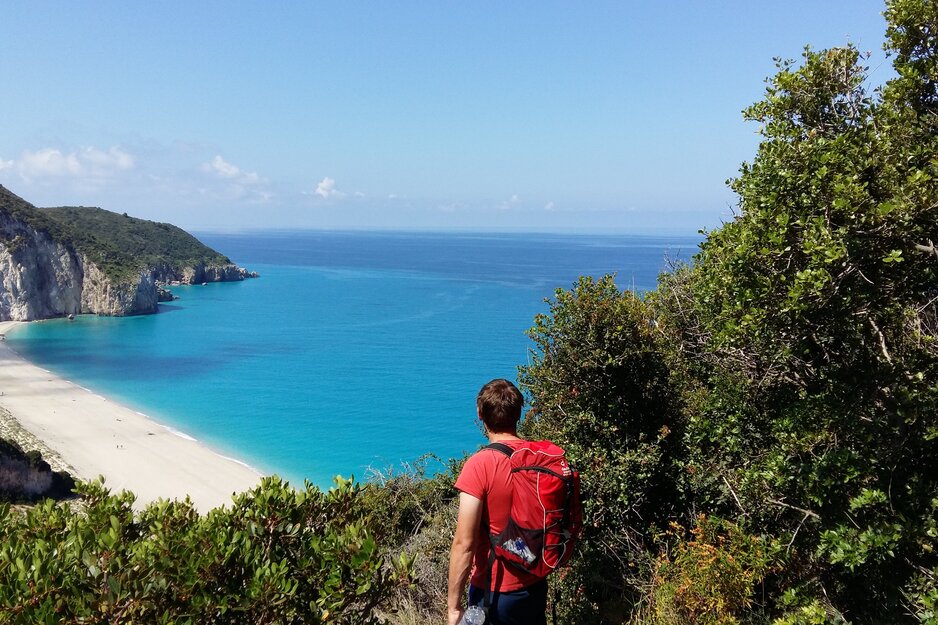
(527, 606)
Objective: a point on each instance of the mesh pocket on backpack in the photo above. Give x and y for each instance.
(519, 546)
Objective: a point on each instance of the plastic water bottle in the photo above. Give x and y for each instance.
(474, 615)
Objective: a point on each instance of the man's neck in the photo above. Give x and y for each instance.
(501, 437)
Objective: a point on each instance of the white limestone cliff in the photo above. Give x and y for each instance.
(38, 277)
(42, 278)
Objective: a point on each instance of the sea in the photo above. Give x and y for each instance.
(355, 353)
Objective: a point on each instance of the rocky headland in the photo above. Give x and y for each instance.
(64, 261)
(29, 469)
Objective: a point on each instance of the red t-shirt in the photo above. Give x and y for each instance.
(487, 477)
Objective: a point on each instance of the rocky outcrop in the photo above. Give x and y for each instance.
(19, 478)
(26, 476)
(200, 272)
(164, 295)
(41, 277)
(102, 296)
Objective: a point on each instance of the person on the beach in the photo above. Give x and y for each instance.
(484, 486)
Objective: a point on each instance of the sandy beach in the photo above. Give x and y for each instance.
(96, 436)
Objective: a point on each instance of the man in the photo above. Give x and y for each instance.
(484, 486)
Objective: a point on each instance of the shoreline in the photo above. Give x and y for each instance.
(92, 435)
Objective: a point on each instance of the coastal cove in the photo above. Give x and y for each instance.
(271, 267)
(354, 352)
(92, 436)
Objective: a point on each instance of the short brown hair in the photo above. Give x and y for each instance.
(499, 403)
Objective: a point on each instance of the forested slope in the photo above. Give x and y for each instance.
(62, 261)
(120, 244)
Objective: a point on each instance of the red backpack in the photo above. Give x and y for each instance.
(546, 511)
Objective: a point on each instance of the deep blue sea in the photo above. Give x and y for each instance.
(353, 351)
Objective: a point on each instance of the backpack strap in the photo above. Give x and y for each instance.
(502, 447)
(487, 599)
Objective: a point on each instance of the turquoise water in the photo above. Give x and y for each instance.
(352, 351)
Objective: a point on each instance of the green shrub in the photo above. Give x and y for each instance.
(600, 387)
(707, 577)
(276, 555)
(415, 516)
(812, 311)
(791, 370)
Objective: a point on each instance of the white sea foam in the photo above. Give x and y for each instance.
(176, 432)
(236, 461)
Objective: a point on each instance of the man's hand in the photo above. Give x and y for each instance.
(460, 557)
(454, 616)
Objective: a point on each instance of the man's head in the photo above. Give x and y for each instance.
(499, 404)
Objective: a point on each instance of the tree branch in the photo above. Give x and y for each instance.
(733, 492)
(791, 507)
(882, 340)
(929, 249)
(797, 529)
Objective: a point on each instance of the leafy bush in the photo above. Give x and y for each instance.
(600, 388)
(793, 365)
(400, 502)
(708, 577)
(277, 555)
(810, 310)
(415, 514)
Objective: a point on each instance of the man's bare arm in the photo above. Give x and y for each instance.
(460, 556)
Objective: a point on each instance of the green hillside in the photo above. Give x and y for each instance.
(118, 244)
(122, 245)
(20, 209)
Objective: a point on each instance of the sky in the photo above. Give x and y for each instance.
(489, 116)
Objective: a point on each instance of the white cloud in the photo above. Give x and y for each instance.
(223, 169)
(511, 202)
(48, 162)
(550, 206)
(326, 189)
(236, 184)
(114, 159)
(89, 165)
(124, 176)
